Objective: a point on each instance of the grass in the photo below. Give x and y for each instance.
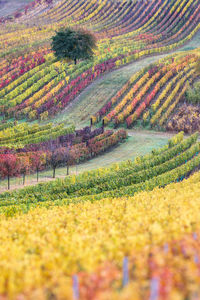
(193, 44)
(136, 145)
(102, 90)
(88, 103)
(99, 93)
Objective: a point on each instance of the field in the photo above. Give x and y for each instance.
(136, 145)
(100, 156)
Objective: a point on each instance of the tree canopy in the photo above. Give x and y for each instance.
(73, 44)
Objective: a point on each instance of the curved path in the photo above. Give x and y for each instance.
(138, 143)
(100, 92)
(89, 101)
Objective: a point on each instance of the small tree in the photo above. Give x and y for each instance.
(9, 166)
(57, 157)
(24, 165)
(66, 157)
(38, 160)
(73, 44)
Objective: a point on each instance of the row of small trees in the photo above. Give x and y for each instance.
(34, 159)
(22, 164)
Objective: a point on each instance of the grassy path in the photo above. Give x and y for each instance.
(137, 144)
(91, 100)
(140, 142)
(102, 90)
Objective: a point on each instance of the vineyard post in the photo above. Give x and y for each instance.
(75, 287)
(125, 272)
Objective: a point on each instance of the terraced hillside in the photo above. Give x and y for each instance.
(122, 231)
(36, 86)
(128, 254)
(25, 149)
(152, 93)
(173, 162)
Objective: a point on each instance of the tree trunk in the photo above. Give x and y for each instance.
(67, 169)
(54, 172)
(37, 175)
(8, 182)
(75, 61)
(24, 176)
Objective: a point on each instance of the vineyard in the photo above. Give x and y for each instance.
(137, 250)
(36, 86)
(125, 225)
(151, 94)
(27, 149)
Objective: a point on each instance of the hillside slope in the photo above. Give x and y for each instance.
(142, 29)
(8, 7)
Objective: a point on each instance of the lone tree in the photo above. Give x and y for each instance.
(73, 44)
